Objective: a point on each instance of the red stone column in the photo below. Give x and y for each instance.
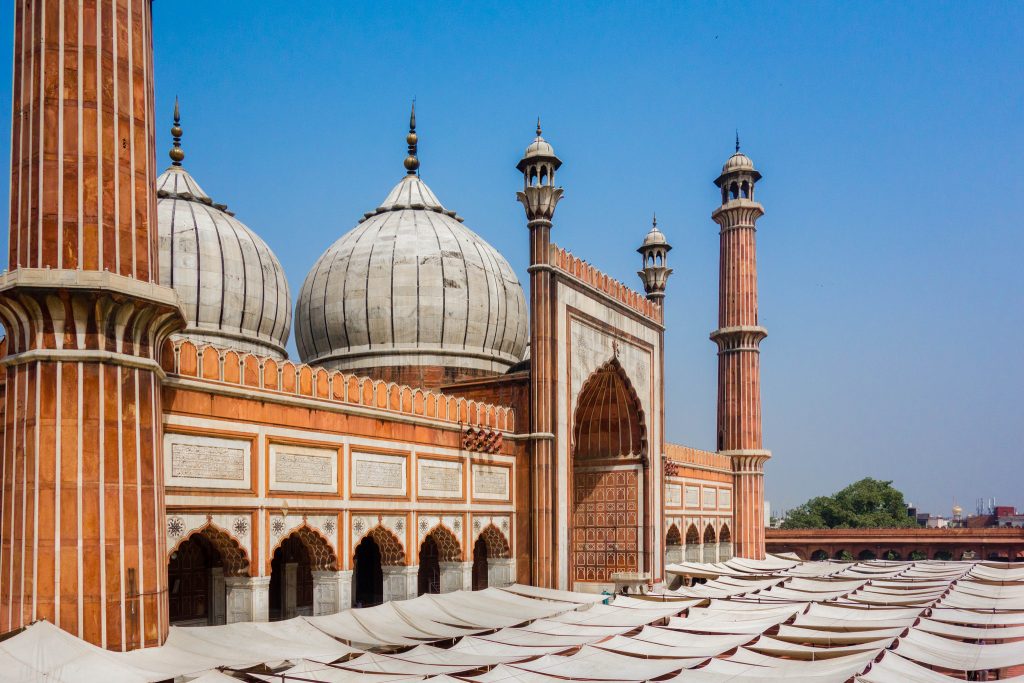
(738, 338)
(81, 490)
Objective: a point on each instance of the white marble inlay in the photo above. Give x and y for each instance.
(490, 482)
(673, 495)
(206, 461)
(439, 478)
(378, 475)
(302, 468)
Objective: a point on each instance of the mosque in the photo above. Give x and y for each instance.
(445, 426)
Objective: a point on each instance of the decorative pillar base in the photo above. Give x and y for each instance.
(673, 554)
(456, 576)
(501, 571)
(400, 582)
(724, 552)
(332, 591)
(710, 552)
(248, 598)
(692, 553)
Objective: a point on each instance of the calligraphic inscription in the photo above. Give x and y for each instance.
(198, 461)
(301, 468)
(490, 482)
(710, 498)
(439, 478)
(674, 495)
(725, 498)
(378, 474)
(692, 496)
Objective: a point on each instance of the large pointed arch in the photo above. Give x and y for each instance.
(609, 419)
(609, 451)
(233, 556)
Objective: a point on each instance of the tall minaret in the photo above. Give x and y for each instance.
(738, 337)
(82, 503)
(539, 197)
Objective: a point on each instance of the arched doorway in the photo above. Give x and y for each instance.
(379, 548)
(429, 578)
(299, 554)
(368, 575)
(609, 458)
(819, 556)
(710, 544)
(480, 564)
(196, 569)
(190, 576)
(866, 555)
(692, 549)
(291, 581)
(725, 543)
(673, 545)
(439, 546)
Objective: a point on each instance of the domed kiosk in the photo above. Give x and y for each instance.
(412, 295)
(233, 287)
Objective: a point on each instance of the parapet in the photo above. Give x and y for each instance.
(589, 275)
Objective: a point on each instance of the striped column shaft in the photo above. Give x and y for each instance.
(83, 162)
(739, 381)
(81, 506)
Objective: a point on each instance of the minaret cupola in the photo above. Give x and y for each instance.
(655, 271)
(738, 176)
(538, 166)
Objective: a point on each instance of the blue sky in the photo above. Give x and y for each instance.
(888, 134)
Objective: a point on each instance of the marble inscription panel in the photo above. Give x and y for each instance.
(378, 475)
(441, 478)
(206, 462)
(303, 468)
(490, 482)
(692, 496)
(674, 495)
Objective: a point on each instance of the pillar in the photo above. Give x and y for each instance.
(673, 554)
(738, 338)
(332, 591)
(456, 576)
(724, 551)
(82, 522)
(710, 552)
(289, 590)
(400, 582)
(218, 597)
(248, 598)
(501, 572)
(692, 552)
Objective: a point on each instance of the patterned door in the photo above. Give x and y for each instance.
(604, 524)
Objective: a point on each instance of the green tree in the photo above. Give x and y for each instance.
(866, 504)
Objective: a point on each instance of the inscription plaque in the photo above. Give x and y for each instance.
(378, 474)
(440, 478)
(725, 498)
(303, 468)
(206, 462)
(710, 498)
(490, 482)
(674, 495)
(692, 496)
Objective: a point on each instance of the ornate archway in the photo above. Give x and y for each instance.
(377, 549)
(196, 569)
(609, 449)
(439, 545)
(710, 544)
(490, 545)
(292, 564)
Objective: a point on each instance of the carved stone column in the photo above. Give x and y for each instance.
(248, 598)
(400, 582)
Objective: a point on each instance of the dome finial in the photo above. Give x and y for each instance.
(412, 162)
(538, 126)
(654, 221)
(177, 154)
(737, 139)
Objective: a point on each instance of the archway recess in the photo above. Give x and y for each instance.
(609, 448)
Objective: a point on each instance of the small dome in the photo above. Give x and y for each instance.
(539, 149)
(412, 287)
(234, 290)
(738, 162)
(655, 238)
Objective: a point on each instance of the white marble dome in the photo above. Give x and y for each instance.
(233, 287)
(412, 286)
(738, 162)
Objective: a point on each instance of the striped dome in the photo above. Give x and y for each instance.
(412, 286)
(232, 285)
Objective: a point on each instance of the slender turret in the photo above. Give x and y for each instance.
(738, 338)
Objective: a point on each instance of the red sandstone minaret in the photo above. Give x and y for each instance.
(82, 506)
(738, 337)
(540, 197)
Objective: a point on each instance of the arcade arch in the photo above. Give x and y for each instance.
(196, 570)
(379, 548)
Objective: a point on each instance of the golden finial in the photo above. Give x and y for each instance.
(177, 154)
(412, 163)
(737, 140)
(538, 126)
(654, 221)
